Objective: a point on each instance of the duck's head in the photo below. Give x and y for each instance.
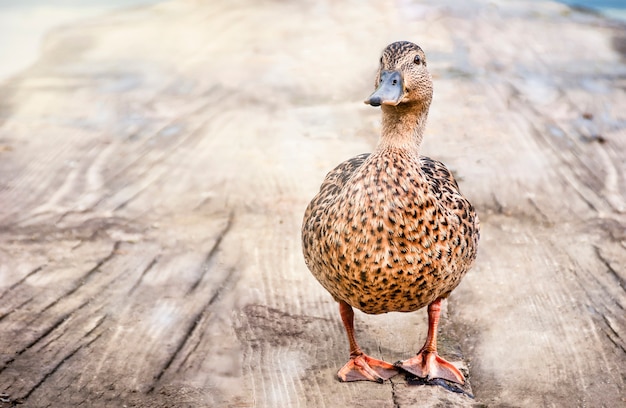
(402, 77)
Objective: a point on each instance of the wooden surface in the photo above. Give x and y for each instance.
(155, 165)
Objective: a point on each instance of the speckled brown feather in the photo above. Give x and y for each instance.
(390, 231)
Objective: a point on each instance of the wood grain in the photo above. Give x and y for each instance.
(155, 165)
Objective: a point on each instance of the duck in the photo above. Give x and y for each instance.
(390, 231)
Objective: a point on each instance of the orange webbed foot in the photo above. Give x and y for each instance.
(366, 368)
(428, 364)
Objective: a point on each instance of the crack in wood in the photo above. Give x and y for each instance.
(98, 324)
(230, 275)
(613, 332)
(394, 394)
(56, 367)
(86, 230)
(610, 269)
(209, 260)
(85, 278)
(195, 322)
(49, 330)
(58, 336)
(15, 308)
(154, 261)
(19, 282)
(139, 191)
(544, 216)
(225, 284)
(192, 351)
(188, 333)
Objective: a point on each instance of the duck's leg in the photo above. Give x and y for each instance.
(361, 366)
(427, 363)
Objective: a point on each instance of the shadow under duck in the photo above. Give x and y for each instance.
(390, 231)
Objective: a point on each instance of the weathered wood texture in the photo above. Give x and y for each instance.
(155, 166)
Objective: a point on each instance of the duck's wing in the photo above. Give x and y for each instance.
(445, 188)
(337, 177)
(440, 179)
(342, 173)
(312, 228)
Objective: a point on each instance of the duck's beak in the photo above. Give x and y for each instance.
(390, 90)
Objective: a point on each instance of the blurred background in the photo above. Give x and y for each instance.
(23, 23)
(156, 159)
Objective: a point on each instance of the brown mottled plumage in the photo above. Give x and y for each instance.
(390, 231)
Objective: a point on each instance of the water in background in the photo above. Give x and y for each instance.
(615, 9)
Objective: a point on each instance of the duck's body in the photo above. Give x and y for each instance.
(390, 231)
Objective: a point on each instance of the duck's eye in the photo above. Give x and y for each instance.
(417, 60)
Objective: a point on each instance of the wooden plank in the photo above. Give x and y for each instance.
(155, 166)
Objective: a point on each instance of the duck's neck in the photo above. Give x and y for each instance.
(403, 127)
